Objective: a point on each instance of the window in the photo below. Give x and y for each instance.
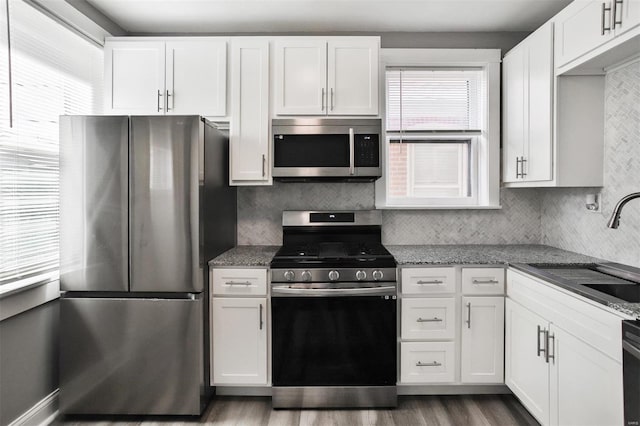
(441, 129)
(53, 71)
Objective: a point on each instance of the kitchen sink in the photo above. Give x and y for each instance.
(618, 281)
(628, 292)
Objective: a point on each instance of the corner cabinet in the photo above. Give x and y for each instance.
(326, 76)
(528, 106)
(239, 324)
(564, 361)
(553, 126)
(249, 129)
(166, 76)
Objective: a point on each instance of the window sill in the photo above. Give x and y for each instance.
(23, 295)
(400, 207)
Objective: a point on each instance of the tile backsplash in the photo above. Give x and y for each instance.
(566, 223)
(553, 216)
(260, 215)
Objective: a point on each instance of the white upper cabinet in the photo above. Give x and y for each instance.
(326, 76)
(353, 77)
(301, 76)
(168, 76)
(528, 98)
(196, 77)
(249, 127)
(583, 26)
(134, 77)
(593, 34)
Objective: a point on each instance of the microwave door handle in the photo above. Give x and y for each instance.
(351, 152)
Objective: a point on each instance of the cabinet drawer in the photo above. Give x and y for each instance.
(486, 281)
(427, 362)
(432, 318)
(428, 280)
(239, 282)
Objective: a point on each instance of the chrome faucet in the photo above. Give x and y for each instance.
(614, 221)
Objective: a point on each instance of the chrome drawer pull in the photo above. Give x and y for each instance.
(238, 283)
(430, 364)
(485, 281)
(434, 319)
(430, 282)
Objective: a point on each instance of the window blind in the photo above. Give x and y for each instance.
(429, 99)
(53, 72)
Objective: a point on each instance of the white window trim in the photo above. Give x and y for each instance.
(487, 156)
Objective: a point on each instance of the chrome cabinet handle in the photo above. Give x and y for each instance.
(352, 168)
(485, 281)
(158, 100)
(604, 10)
(614, 13)
(168, 95)
(429, 364)
(430, 282)
(517, 167)
(322, 106)
(552, 338)
(264, 160)
(232, 283)
(434, 319)
(468, 321)
(261, 322)
(540, 349)
(332, 99)
(522, 162)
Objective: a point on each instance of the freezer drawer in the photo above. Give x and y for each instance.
(131, 356)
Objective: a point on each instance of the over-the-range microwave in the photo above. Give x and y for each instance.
(306, 149)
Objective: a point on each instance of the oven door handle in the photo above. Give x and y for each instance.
(285, 291)
(632, 349)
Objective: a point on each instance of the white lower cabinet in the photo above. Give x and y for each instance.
(482, 348)
(560, 377)
(526, 370)
(239, 329)
(427, 362)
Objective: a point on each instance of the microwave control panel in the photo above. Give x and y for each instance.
(367, 150)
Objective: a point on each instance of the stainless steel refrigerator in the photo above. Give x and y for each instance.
(144, 204)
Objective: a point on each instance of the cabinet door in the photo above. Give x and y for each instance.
(628, 14)
(249, 128)
(301, 77)
(526, 372)
(586, 385)
(514, 99)
(482, 340)
(134, 77)
(579, 29)
(239, 341)
(353, 76)
(196, 77)
(539, 152)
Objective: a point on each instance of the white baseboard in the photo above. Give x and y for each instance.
(41, 414)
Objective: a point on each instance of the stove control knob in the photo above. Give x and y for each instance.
(361, 275)
(333, 275)
(377, 275)
(289, 275)
(306, 276)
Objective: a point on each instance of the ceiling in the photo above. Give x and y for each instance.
(251, 16)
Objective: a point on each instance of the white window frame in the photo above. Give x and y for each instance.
(485, 151)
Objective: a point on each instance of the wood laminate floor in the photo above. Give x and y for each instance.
(485, 410)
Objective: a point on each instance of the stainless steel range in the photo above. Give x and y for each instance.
(333, 296)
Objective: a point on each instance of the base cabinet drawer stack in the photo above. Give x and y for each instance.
(562, 355)
(239, 327)
(452, 325)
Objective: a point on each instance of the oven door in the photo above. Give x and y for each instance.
(631, 368)
(334, 337)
